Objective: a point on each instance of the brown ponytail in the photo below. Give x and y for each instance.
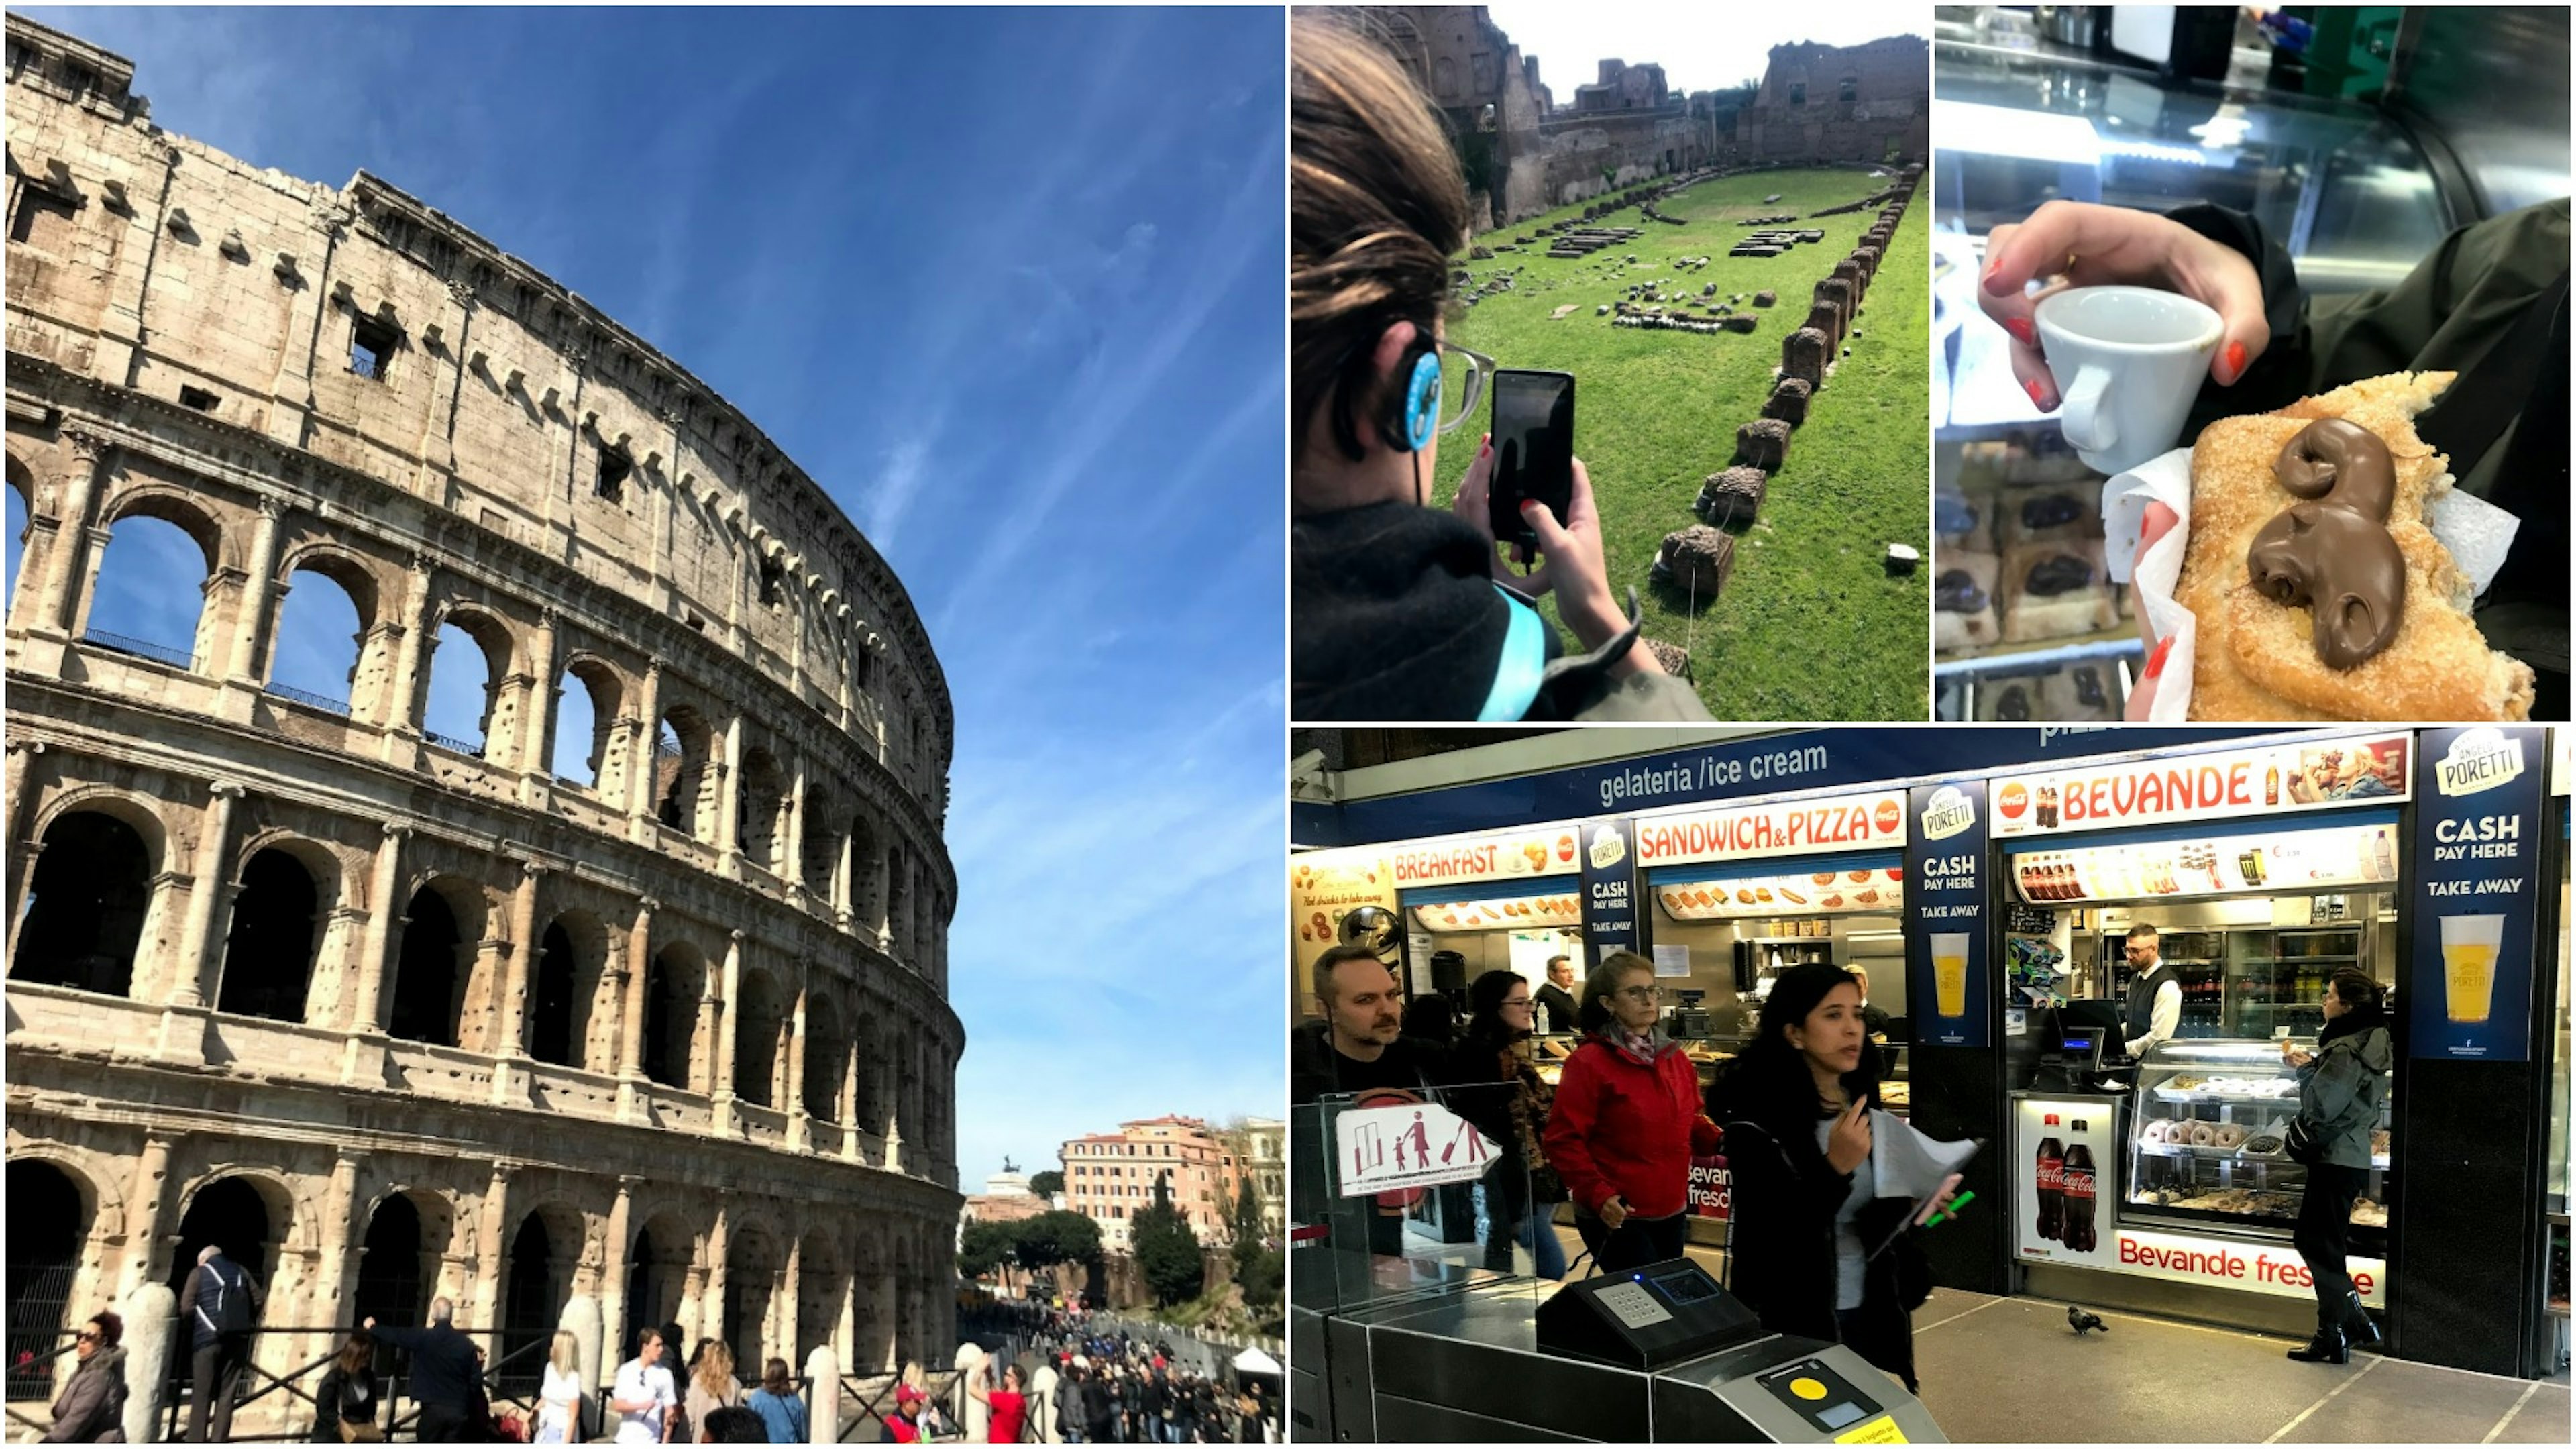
(2356, 990)
(1377, 205)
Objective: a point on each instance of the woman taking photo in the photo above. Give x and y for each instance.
(1805, 1214)
(1397, 609)
(2341, 1087)
(1626, 1122)
(1522, 1191)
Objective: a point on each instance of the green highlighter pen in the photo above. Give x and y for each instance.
(1952, 1211)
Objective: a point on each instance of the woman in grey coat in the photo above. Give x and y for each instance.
(2341, 1088)
(92, 1407)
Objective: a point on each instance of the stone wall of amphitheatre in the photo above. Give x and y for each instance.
(673, 1040)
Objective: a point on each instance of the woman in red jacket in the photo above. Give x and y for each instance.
(1626, 1122)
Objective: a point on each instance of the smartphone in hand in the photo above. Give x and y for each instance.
(1533, 450)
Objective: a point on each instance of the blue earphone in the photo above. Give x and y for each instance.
(1422, 402)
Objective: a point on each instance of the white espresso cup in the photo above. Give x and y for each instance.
(2128, 361)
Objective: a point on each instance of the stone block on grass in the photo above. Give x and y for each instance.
(1732, 496)
(1763, 443)
(1788, 401)
(1696, 560)
(1803, 355)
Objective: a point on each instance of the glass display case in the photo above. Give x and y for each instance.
(2027, 622)
(2230, 1103)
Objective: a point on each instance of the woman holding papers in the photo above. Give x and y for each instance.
(1822, 1179)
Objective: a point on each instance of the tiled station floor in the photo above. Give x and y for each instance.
(2009, 1370)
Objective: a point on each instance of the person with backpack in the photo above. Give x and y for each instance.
(92, 1407)
(220, 1305)
(344, 1403)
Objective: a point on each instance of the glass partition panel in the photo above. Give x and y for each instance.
(1411, 1194)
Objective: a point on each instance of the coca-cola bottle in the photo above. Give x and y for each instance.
(2077, 1180)
(2052, 1185)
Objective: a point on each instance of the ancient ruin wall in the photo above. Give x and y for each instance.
(684, 1051)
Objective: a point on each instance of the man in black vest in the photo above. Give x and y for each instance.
(2155, 994)
(1558, 997)
(219, 1305)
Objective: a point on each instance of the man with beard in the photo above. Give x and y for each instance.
(1359, 1051)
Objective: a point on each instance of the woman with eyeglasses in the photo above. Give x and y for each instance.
(1399, 610)
(91, 1409)
(1627, 1121)
(1804, 1219)
(1499, 1088)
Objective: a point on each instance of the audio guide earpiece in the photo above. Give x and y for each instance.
(1412, 431)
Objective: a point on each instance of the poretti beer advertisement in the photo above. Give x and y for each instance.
(2477, 853)
(1945, 941)
(1610, 916)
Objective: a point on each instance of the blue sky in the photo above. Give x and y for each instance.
(1006, 284)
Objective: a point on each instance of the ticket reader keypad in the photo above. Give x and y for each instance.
(1632, 1305)
(1819, 1395)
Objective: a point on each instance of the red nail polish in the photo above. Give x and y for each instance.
(2019, 327)
(1993, 265)
(2038, 395)
(2235, 360)
(2156, 660)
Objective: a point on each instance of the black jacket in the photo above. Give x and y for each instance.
(1314, 1069)
(327, 1402)
(1393, 614)
(443, 1372)
(1780, 1230)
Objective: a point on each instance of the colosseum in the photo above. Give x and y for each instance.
(386, 1013)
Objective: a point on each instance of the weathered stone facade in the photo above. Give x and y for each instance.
(1523, 156)
(393, 1018)
(1867, 103)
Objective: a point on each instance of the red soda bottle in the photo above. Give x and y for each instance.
(2052, 1185)
(2077, 1177)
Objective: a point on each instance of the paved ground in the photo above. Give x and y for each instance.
(2007, 1370)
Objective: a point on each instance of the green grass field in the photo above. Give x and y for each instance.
(1810, 627)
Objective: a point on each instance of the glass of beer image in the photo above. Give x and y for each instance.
(1950, 972)
(2469, 946)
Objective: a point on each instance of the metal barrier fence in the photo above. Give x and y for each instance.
(37, 1295)
(393, 1416)
(170, 654)
(310, 700)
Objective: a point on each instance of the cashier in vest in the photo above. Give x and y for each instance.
(2155, 995)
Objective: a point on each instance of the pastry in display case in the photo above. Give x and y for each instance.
(2209, 1141)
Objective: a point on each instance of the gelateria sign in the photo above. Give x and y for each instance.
(1790, 827)
(2304, 774)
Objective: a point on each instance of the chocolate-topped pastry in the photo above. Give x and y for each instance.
(1956, 592)
(2334, 553)
(2088, 686)
(2013, 704)
(2050, 510)
(2057, 574)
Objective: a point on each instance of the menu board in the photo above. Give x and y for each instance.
(1812, 893)
(2267, 780)
(1325, 888)
(2213, 865)
(1519, 913)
